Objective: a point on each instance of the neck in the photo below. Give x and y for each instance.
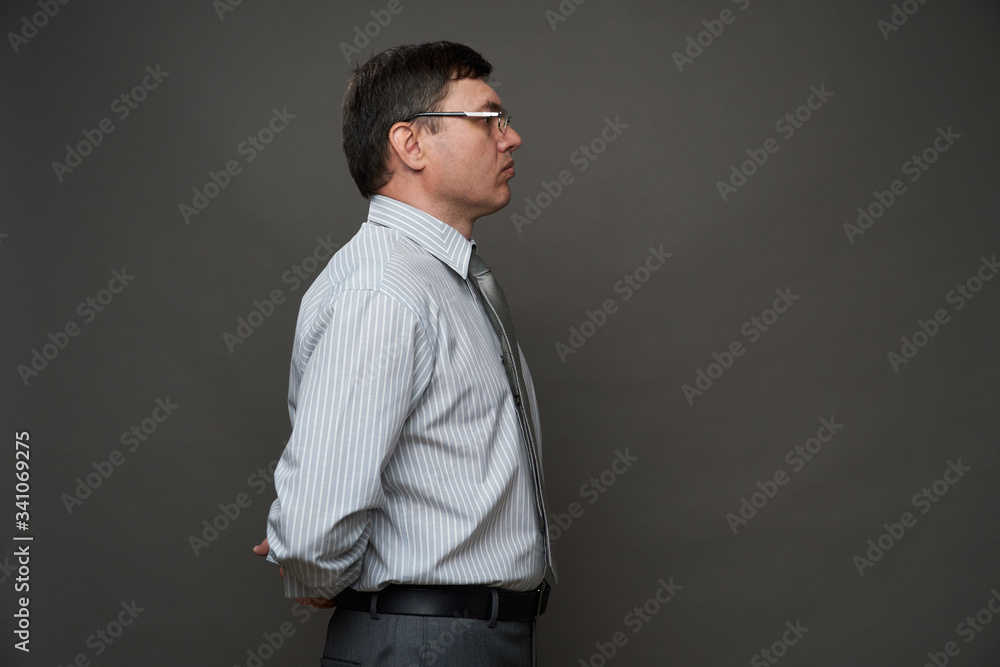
(462, 222)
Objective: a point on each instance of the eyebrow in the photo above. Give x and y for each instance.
(490, 106)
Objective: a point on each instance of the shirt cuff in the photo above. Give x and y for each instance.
(296, 589)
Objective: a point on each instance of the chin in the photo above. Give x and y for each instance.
(503, 201)
(499, 201)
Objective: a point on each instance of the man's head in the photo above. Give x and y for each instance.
(458, 161)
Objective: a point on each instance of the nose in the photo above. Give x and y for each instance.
(510, 140)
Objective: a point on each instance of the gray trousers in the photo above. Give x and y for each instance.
(396, 640)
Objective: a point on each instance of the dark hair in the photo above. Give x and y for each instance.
(392, 86)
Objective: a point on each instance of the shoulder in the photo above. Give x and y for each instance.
(386, 262)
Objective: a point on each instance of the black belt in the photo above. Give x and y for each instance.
(479, 602)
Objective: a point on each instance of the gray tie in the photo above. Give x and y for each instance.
(495, 304)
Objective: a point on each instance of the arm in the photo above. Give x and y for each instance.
(356, 389)
(263, 549)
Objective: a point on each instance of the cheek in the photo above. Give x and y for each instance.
(456, 160)
(471, 159)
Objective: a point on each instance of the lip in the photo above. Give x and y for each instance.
(509, 168)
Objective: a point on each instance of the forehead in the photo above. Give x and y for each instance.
(472, 95)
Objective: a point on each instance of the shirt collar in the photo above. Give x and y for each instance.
(439, 239)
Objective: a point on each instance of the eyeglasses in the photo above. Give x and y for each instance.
(503, 117)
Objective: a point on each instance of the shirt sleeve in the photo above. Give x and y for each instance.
(356, 389)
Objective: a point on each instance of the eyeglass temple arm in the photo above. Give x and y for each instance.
(481, 114)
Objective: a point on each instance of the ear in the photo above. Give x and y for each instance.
(405, 143)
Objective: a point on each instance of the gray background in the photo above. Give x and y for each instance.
(665, 517)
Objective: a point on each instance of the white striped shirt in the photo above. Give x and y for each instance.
(406, 462)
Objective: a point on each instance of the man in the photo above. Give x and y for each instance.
(410, 491)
